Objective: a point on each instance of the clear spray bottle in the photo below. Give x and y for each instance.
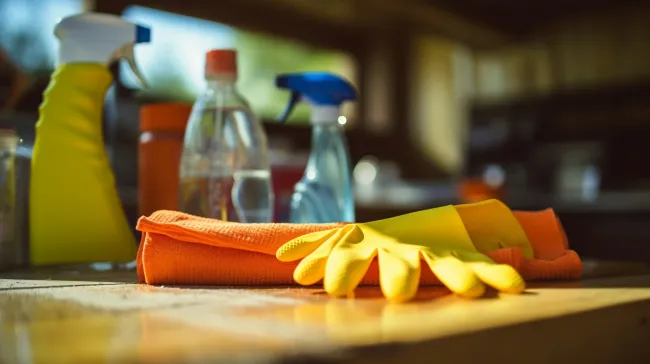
(324, 194)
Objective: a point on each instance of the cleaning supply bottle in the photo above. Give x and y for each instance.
(75, 211)
(225, 169)
(162, 126)
(324, 194)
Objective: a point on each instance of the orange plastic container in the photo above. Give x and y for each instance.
(162, 127)
(476, 190)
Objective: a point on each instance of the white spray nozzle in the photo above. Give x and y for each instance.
(126, 53)
(99, 38)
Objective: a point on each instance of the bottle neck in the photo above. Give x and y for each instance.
(325, 138)
(223, 93)
(326, 130)
(222, 84)
(325, 115)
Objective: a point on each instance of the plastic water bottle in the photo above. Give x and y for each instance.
(225, 170)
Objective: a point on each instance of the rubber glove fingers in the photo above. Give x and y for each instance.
(346, 267)
(501, 277)
(304, 245)
(311, 268)
(455, 275)
(399, 276)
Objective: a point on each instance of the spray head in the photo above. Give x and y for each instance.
(324, 91)
(100, 38)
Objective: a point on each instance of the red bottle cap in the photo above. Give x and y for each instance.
(221, 62)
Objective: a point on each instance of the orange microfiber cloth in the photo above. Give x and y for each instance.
(182, 249)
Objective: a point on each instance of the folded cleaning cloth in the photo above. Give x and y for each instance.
(182, 249)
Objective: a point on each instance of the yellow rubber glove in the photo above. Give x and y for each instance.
(342, 256)
(491, 225)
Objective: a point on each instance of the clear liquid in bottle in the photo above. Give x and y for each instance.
(250, 195)
(229, 181)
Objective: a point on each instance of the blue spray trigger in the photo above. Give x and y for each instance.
(295, 97)
(318, 88)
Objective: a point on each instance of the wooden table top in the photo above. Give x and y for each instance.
(94, 317)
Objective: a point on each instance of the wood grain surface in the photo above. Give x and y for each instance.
(67, 316)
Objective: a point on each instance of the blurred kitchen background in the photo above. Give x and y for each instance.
(538, 103)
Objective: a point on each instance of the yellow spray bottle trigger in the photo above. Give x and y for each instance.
(126, 53)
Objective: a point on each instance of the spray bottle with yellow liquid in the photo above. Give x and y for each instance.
(75, 211)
